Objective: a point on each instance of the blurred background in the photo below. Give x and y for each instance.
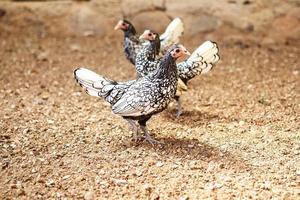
(238, 136)
(262, 21)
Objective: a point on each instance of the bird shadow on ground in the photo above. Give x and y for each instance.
(190, 149)
(193, 118)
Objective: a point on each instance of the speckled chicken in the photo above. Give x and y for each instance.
(137, 100)
(147, 60)
(201, 61)
(132, 43)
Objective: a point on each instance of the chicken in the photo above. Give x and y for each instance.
(137, 100)
(146, 59)
(132, 43)
(201, 61)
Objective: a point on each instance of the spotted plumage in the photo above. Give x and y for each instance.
(201, 61)
(146, 61)
(132, 44)
(136, 100)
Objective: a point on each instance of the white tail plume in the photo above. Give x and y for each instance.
(94, 84)
(172, 34)
(201, 61)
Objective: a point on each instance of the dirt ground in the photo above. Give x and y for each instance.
(238, 137)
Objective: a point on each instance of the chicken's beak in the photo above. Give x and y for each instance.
(118, 26)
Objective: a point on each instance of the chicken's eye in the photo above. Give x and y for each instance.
(177, 50)
(123, 24)
(150, 34)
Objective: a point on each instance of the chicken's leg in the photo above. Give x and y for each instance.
(179, 109)
(147, 136)
(134, 128)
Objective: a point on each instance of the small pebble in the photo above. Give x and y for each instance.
(159, 164)
(66, 177)
(184, 198)
(50, 183)
(43, 56)
(90, 195)
(120, 182)
(241, 123)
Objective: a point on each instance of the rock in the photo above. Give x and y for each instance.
(248, 18)
(84, 20)
(45, 96)
(75, 47)
(268, 41)
(50, 183)
(139, 173)
(194, 164)
(131, 7)
(19, 185)
(104, 184)
(43, 56)
(180, 8)
(148, 187)
(183, 198)
(50, 121)
(201, 23)
(241, 123)
(102, 172)
(88, 33)
(66, 177)
(159, 164)
(213, 186)
(58, 195)
(285, 27)
(160, 4)
(266, 185)
(120, 182)
(25, 131)
(261, 18)
(90, 195)
(220, 18)
(21, 192)
(2, 12)
(227, 12)
(148, 20)
(211, 166)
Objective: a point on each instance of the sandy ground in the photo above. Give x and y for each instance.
(238, 138)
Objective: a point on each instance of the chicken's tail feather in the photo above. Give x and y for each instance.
(94, 84)
(206, 56)
(172, 34)
(202, 60)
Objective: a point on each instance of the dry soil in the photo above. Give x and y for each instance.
(238, 137)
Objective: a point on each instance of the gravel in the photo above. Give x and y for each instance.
(238, 137)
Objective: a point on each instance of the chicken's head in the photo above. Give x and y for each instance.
(123, 25)
(149, 35)
(178, 50)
